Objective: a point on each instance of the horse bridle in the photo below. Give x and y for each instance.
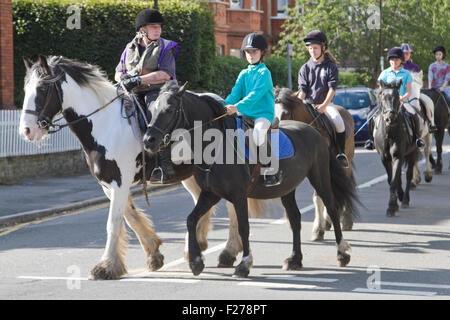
(167, 134)
(181, 116)
(46, 122)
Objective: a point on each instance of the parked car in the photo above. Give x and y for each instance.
(359, 101)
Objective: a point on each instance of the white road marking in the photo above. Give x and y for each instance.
(165, 280)
(276, 285)
(400, 292)
(306, 279)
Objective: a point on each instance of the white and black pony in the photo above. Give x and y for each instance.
(90, 105)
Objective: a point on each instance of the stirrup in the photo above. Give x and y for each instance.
(276, 179)
(342, 158)
(431, 128)
(154, 172)
(368, 145)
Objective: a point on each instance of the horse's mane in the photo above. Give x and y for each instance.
(84, 74)
(173, 87)
(285, 97)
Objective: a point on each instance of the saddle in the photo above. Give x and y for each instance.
(132, 110)
(282, 147)
(324, 122)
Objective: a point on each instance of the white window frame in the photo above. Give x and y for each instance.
(236, 4)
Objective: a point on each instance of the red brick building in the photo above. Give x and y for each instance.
(236, 18)
(6, 55)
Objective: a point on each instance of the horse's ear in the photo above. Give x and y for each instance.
(382, 84)
(182, 89)
(398, 84)
(27, 62)
(43, 63)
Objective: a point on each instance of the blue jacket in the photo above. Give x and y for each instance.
(252, 93)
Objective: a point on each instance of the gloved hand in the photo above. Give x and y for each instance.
(125, 76)
(130, 83)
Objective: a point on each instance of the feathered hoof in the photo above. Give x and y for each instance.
(203, 245)
(197, 265)
(241, 271)
(343, 259)
(428, 176)
(226, 259)
(405, 205)
(390, 212)
(106, 270)
(155, 261)
(292, 263)
(318, 236)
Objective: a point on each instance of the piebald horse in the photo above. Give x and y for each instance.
(87, 101)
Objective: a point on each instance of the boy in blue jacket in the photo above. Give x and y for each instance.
(252, 95)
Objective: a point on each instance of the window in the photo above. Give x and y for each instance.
(254, 4)
(282, 5)
(237, 4)
(219, 50)
(235, 53)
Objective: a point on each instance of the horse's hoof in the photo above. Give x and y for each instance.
(318, 236)
(343, 259)
(292, 263)
(390, 212)
(226, 259)
(405, 205)
(327, 226)
(428, 176)
(106, 270)
(197, 265)
(155, 261)
(413, 185)
(241, 271)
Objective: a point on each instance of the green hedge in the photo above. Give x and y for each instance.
(106, 27)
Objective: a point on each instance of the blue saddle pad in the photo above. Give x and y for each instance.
(282, 146)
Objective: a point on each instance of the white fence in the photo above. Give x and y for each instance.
(11, 144)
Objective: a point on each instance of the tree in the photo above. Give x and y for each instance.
(353, 29)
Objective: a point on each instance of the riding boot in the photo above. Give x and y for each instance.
(270, 179)
(416, 134)
(340, 141)
(369, 145)
(165, 171)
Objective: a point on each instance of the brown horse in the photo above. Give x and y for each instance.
(289, 107)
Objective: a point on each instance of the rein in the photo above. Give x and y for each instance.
(60, 127)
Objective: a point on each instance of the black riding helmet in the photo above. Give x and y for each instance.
(316, 37)
(254, 41)
(395, 52)
(148, 16)
(441, 49)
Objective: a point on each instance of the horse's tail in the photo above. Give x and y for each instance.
(344, 189)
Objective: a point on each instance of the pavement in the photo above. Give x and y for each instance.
(38, 198)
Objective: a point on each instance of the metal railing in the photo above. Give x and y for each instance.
(11, 144)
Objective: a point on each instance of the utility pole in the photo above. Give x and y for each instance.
(381, 38)
(289, 54)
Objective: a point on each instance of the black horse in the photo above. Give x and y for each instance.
(176, 108)
(394, 144)
(441, 119)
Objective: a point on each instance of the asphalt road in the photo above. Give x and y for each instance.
(404, 257)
